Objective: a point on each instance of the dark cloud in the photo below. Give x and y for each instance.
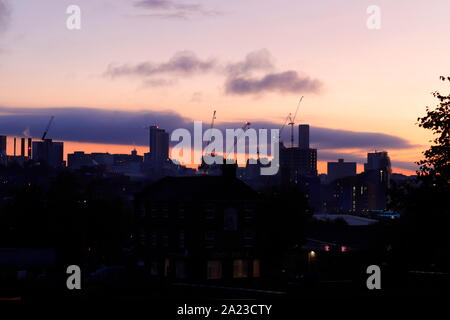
(182, 63)
(256, 60)
(283, 82)
(343, 139)
(126, 127)
(173, 9)
(4, 15)
(239, 76)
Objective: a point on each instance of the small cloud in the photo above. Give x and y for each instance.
(256, 60)
(197, 97)
(154, 4)
(283, 82)
(183, 63)
(4, 15)
(158, 83)
(174, 9)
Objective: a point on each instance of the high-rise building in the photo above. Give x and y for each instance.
(48, 152)
(3, 157)
(378, 161)
(3, 145)
(298, 161)
(340, 169)
(159, 145)
(377, 175)
(303, 136)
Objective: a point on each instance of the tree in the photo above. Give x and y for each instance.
(436, 165)
(422, 234)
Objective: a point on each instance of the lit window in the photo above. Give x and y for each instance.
(256, 268)
(214, 269)
(240, 269)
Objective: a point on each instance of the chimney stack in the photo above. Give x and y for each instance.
(22, 147)
(29, 147)
(15, 143)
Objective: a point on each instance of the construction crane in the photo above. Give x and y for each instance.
(284, 125)
(204, 167)
(244, 128)
(211, 127)
(47, 128)
(292, 122)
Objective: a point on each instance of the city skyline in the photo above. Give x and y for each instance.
(367, 86)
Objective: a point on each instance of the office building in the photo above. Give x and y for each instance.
(303, 136)
(48, 152)
(159, 144)
(340, 169)
(3, 145)
(3, 157)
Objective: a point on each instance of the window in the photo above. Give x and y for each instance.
(214, 269)
(230, 219)
(165, 240)
(165, 212)
(181, 238)
(256, 268)
(248, 213)
(210, 212)
(154, 268)
(153, 239)
(181, 212)
(249, 238)
(240, 269)
(210, 239)
(180, 270)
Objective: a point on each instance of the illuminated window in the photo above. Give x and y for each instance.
(214, 269)
(240, 269)
(256, 268)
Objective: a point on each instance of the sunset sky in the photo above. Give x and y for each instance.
(169, 62)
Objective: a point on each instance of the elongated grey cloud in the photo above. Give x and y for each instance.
(182, 63)
(175, 9)
(128, 127)
(239, 76)
(284, 82)
(154, 4)
(4, 15)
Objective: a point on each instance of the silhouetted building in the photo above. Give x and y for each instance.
(200, 228)
(303, 136)
(79, 159)
(295, 162)
(3, 145)
(377, 175)
(340, 169)
(49, 152)
(3, 157)
(128, 164)
(159, 146)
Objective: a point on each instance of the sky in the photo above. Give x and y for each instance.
(136, 63)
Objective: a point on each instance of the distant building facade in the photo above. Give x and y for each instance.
(48, 152)
(200, 228)
(340, 169)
